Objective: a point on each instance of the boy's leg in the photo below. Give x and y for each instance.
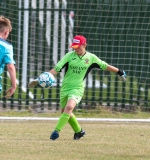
(76, 127)
(63, 119)
(60, 124)
(74, 123)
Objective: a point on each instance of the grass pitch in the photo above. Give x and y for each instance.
(28, 140)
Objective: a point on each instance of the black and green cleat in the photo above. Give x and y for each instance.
(79, 135)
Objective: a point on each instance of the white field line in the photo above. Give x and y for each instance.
(79, 119)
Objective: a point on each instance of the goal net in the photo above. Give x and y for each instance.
(117, 31)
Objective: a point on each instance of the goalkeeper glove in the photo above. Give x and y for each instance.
(122, 75)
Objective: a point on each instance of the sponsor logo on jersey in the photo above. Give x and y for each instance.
(77, 69)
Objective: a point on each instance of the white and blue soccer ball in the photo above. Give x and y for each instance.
(46, 80)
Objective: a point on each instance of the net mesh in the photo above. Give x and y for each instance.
(116, 31)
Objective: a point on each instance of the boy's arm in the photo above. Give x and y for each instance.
(121, 73)
(12, 72)
(53, 72)
(112, 68)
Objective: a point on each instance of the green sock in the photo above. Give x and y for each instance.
(74, 124)
(62, 121)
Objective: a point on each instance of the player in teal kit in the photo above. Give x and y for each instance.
(6, 55)
(77, 64)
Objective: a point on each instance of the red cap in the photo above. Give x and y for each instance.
(78, 41)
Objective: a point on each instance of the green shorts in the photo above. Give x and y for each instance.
(72, 94)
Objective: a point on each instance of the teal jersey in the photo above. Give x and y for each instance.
(6, 54)
(77, 69)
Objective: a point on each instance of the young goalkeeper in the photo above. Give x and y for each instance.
(6, 55)
(78, 64)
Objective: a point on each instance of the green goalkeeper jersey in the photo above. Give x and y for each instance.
(77, 68)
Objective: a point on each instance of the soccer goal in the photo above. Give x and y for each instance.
(118, 32)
